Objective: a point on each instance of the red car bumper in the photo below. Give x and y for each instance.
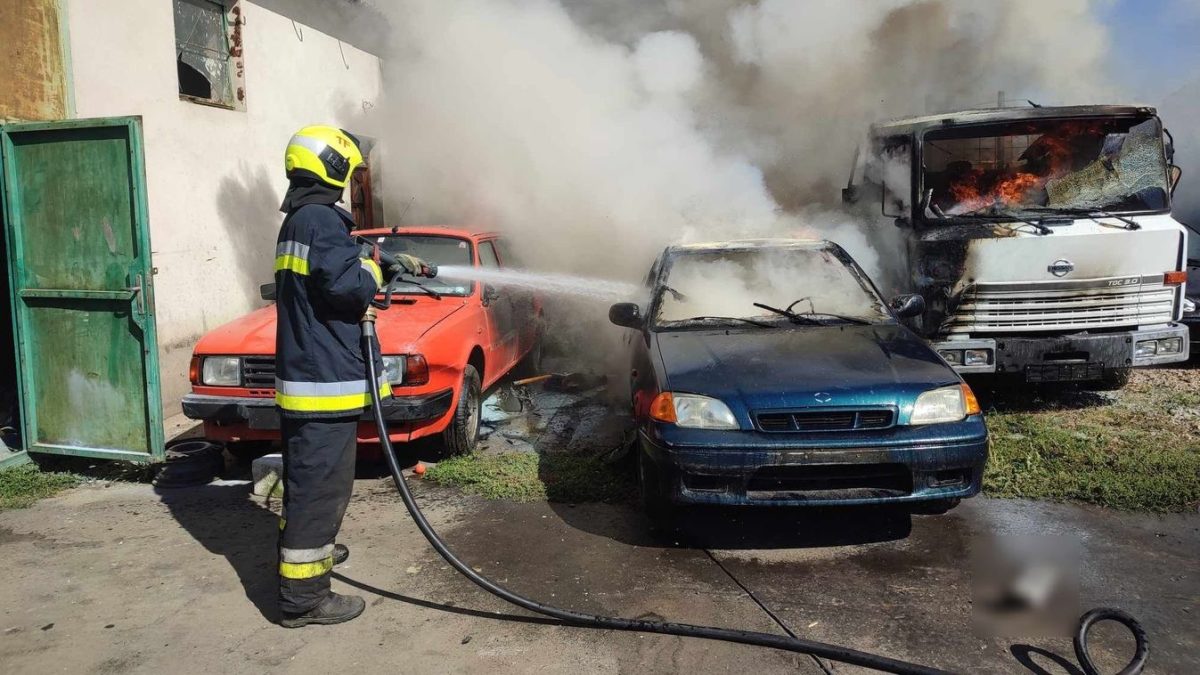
(242, 418)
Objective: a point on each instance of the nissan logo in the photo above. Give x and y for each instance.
(1061, 268)
(822, 397)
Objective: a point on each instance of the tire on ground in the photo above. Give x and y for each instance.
(656, 502)
(462, 435)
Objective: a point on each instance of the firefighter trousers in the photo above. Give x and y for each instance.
(318, 476)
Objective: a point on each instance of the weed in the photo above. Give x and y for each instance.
(23, 485)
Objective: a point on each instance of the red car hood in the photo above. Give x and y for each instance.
(399, 328)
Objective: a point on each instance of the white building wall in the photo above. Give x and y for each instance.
(214, 176)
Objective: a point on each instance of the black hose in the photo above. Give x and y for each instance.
(782, 642)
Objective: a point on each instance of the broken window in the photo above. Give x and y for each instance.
(709, 285)
(1104, 163)
(208, 51)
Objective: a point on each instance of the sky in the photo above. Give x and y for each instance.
(1155, 47)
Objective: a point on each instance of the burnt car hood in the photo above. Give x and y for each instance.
(802, 366)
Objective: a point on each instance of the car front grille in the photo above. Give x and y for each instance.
(825, 420)
(258, 373)
(1060, 307)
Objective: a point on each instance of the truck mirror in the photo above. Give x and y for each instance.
(626, 315)
(489, 295)
(850, 194)
(267, 292)
(906, 306)
(1176, 173)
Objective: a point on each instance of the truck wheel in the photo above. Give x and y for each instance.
(656, 504)
(463, 433)
(1114, 379)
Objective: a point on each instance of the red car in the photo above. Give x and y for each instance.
(443, 345)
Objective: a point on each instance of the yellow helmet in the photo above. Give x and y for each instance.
(328, 154)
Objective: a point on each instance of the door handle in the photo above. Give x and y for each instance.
(139, 294)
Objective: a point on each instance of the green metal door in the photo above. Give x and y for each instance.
(79, 263)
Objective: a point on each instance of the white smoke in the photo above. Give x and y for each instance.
(596, 133)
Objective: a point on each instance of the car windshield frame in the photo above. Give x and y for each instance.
(667, 262)
(1008, 212)
(407, 289)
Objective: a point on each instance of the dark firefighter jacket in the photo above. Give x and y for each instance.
(323, 288)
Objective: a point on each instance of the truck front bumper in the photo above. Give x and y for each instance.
(262, 414)
(1067, 358)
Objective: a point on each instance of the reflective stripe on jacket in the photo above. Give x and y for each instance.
(323, 288)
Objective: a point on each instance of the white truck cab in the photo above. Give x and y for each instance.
(1040, 238)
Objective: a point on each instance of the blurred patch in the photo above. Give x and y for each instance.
(1026, 586)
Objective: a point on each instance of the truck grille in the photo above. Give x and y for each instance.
(825, 420)
(1058, 306)
(258, 373)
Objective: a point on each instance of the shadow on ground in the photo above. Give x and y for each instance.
(1001, 396)
(226, 522)
(742, 528)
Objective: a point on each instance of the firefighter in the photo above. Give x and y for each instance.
(325, 283)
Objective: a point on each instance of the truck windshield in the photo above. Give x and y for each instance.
(1109, 164)
(439, 250)
(719, 287)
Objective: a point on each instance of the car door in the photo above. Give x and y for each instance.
(497, 302)
(525, 303)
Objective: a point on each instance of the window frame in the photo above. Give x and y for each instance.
(232, 25)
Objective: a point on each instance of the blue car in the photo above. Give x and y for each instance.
(772, 372)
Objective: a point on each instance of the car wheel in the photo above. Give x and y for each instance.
(463, 433)
(935, 507)
(1114, 379)
(656, 503)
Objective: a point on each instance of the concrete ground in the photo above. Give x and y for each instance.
(120, 578)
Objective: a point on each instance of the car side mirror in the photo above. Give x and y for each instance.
(1176, 173)
(627, 315)
(267, 292)
(906, 306)
(489, 295)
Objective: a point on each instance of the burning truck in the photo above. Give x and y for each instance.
(1041, 239)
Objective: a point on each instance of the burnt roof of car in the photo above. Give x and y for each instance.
(989, 115)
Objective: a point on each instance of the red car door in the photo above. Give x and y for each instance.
(502, 322)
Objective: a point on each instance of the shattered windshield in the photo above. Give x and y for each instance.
(722, 287)
(1110, 164)
(441, 251)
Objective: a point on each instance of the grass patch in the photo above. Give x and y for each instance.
(23, 485)
(1140, 452)
(527, 477)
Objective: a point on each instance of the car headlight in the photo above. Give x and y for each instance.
(221, 371)
(945, 404)
(692, 411)
(393, 369)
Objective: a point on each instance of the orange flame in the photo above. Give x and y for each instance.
(1050, 156)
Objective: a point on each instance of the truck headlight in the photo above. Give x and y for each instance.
(945, 404)
(952, 356)
(1170, 345)
(692, 411)
(393, 369)
(1145, 348)
(977, 357)
(221, 371)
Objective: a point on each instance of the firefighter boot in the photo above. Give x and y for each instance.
(333, 609)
